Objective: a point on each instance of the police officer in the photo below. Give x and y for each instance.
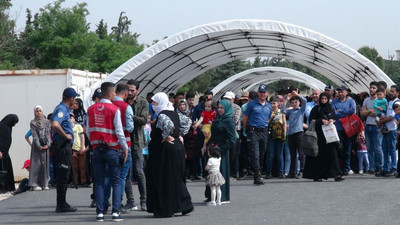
(255, 120)
(62, 147)
(107, 137)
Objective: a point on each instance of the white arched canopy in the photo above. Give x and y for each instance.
(246, 80)
(171, 63)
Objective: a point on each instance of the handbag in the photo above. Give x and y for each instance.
(352, 125)
(3, 174)
(42, 139)
(330, 133)
(310, 141)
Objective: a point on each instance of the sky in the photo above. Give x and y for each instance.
(355, 23)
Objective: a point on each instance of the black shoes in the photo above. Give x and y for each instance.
(299, 175)
(257, 178)
(65, 208)
(268, 176)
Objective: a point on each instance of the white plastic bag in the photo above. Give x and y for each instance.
(330, 133)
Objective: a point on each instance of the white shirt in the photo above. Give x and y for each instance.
(214, 164)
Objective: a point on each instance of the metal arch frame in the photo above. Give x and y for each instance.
(171, 63)
(247, 79)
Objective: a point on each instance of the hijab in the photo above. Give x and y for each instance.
(228, 110)
(39, 122)
(6, 125)
(178, 110)
(80, 112)
(327, 107)
(163, 103)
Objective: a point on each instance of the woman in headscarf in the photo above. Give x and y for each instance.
(165, 172)
(183, 113)
(39, 174)
(223, 135)
(79, 112)
(325, 165)
(6, 125)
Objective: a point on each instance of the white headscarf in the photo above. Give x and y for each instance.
(163, 102)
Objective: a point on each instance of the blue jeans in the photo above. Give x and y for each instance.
(124, 171)
(389, 151)
(51, 168)
(101, 159)
(363, 157)
(275, 147)
(287, 157)
(373, 140)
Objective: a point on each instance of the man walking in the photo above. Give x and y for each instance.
(62, 147)
(255, 120)
(106, 135)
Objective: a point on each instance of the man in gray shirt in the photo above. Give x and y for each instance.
(373, 137)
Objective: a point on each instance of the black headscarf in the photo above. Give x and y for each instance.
(80, 113)
(327, 107)
(6, 125)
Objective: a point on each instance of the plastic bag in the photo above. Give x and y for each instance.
(330, 133)
(352, 125)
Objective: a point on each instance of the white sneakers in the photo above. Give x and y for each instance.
(37, 188)
(361, 172)
(211, 203)
(46, 188)
(351, 172)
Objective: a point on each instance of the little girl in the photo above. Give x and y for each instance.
(207, 116)
(362, 153)
(214, 178)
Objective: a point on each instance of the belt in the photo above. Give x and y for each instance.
(259, 129)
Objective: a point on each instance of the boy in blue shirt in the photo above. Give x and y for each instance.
(296, 117)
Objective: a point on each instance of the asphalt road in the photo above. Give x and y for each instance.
(359, 200)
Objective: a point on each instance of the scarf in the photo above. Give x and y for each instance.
(163, 103)
(187, 111)
(6, 125)
(326, 108)
(79, 113)
(228, 110)
(39, 122)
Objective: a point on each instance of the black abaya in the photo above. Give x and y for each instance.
(165, 173)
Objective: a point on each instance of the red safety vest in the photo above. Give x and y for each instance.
(101, 125)
(122, 107)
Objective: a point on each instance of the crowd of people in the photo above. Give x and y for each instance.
(165, 141)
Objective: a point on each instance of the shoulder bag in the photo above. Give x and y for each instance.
(310, 141)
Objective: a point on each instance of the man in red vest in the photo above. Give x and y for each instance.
(127, 124)
(105, 132)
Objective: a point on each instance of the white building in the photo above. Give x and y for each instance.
(21, 90)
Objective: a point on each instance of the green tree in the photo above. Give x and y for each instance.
(8, 38)
(101, 30)
(373, 55)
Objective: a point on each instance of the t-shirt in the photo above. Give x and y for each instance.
(77, 129)
(209, 116)
(361, 145)
(369, 104)
(214, 164)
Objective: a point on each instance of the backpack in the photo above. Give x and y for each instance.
(276, 130)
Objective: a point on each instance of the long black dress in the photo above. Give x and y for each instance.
(5, 143)
(165, 173)
(325, 165)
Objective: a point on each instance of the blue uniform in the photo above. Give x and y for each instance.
(61, 115)
(258, 114)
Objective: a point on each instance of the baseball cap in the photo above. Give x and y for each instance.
(96, 94)
(27, 163)
(262, 88)
(229, 95)
(329, 87)
(70, 92)
(341, 88)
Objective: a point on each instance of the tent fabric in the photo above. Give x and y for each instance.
(171, 63)
(249, 79)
